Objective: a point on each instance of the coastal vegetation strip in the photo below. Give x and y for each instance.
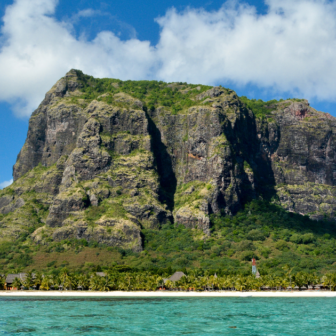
(195, 280)
(169, 294)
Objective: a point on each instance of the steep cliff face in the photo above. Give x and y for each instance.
(212, 155)
(301, 145)
(104, 159)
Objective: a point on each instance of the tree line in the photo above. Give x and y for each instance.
(195, 280)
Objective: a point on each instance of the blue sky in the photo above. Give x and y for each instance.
(274, 49)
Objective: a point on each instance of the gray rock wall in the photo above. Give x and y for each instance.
(141, 169)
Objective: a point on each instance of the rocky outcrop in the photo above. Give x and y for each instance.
(53, 128)
(300, 143)
(110, 232)
(5, 200)
(214, 143)
(99, 164)
(12, 206)
(66, 203)
(88, 159)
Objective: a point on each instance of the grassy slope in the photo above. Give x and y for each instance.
(263, 230)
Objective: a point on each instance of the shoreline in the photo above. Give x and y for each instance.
(164, 294)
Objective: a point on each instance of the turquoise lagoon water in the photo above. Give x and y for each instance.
(168, 316)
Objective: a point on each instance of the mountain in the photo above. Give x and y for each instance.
(109, 163)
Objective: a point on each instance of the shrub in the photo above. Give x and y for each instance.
(255, 235)
(296, 238)
(281, 245)
(265, 252)
(245, 245)
(258, 107)
(285, 234)
(83, 242)
(181, 262)
(247, 256)
(308, 238)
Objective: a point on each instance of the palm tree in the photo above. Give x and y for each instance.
(139, 282)
(69, 282)
(64, 273)
(284, 283)
(204, 282)
(288, 271)
(28, 281)
(231, 283)
(269, 281)
(198, 285)
(16, 283)
(128, 279)
(45, 284)
(240, 284)
(112, 281)
(299, 279)
(183, 283)
(103, 284)
(192, 282)
(169, 284)
(312, 279)
(159, 282)
(94, 282)
(55, 281)
(38, 280)
(151, 284)
(253, 283)
(82, 281)
(329, 280)
(2, 281)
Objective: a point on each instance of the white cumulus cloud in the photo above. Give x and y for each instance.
(37, 50)
(6, 184)
(291, 48)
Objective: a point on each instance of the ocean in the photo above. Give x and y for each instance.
(167, 316)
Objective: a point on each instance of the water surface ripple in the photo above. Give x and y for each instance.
(167, 316)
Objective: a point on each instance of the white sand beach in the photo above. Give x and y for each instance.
(161, 294)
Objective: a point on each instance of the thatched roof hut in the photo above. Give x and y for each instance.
(176, 276)
(11, 277)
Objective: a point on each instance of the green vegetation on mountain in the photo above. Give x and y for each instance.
(262, 108)
(262, 230)
(148, 175)
(259, 107)
(175, 97)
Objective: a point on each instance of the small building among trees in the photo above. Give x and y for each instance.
(10, 280)
(175, 277)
